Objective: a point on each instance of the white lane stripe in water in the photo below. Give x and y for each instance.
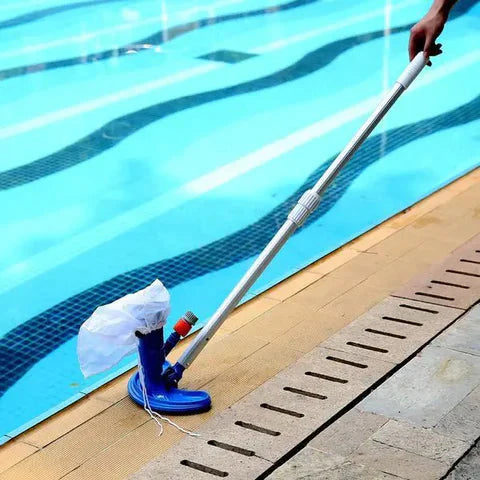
(129, 25)
(55, 116)
(82, 38)
(275, 149)
(21, 272)
(65, 113)
(301, 37)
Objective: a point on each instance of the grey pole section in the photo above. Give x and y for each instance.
(305, 206)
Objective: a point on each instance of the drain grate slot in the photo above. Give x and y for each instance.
(367, 347)
(448, 284)
(466, 260)
(232, 448)
(256, 428)
(438, 297)
(347, 362)
(400, 320)
(460, 272)
(326, 377)
(305, 393)
(204, 468)
(412, 307)
(385, 334)
(282, 410)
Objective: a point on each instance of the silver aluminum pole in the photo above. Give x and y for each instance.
(305, 206)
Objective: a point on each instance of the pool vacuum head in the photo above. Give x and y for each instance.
(161, 394)
(161, 391)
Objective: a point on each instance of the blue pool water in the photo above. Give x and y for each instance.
(154, 139)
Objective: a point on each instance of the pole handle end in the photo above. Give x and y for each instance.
(412, 70)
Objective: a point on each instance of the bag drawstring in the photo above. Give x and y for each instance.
(155, 415)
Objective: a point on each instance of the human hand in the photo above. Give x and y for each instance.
(424, 34)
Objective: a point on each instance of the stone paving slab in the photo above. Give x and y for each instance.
(464, 336)
(421, 441)
(463, 421)
(345, 435)
(311, 464)
(427, 388)
(398, 462)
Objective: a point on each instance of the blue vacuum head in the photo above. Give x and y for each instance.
(168, 399)
(163, 396)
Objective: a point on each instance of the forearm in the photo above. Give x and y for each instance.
(442, 7)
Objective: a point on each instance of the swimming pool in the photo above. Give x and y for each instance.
(144, 139)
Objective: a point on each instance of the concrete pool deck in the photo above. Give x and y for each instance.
(106, 436)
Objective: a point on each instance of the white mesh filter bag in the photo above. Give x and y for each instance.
(109, 334)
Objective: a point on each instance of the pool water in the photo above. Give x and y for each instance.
(169, 139)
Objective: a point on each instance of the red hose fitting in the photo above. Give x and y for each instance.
(185, 324)
(182, 327)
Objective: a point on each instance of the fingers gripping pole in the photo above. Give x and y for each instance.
(308, 202)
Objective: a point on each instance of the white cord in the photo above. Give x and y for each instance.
(153, 415)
